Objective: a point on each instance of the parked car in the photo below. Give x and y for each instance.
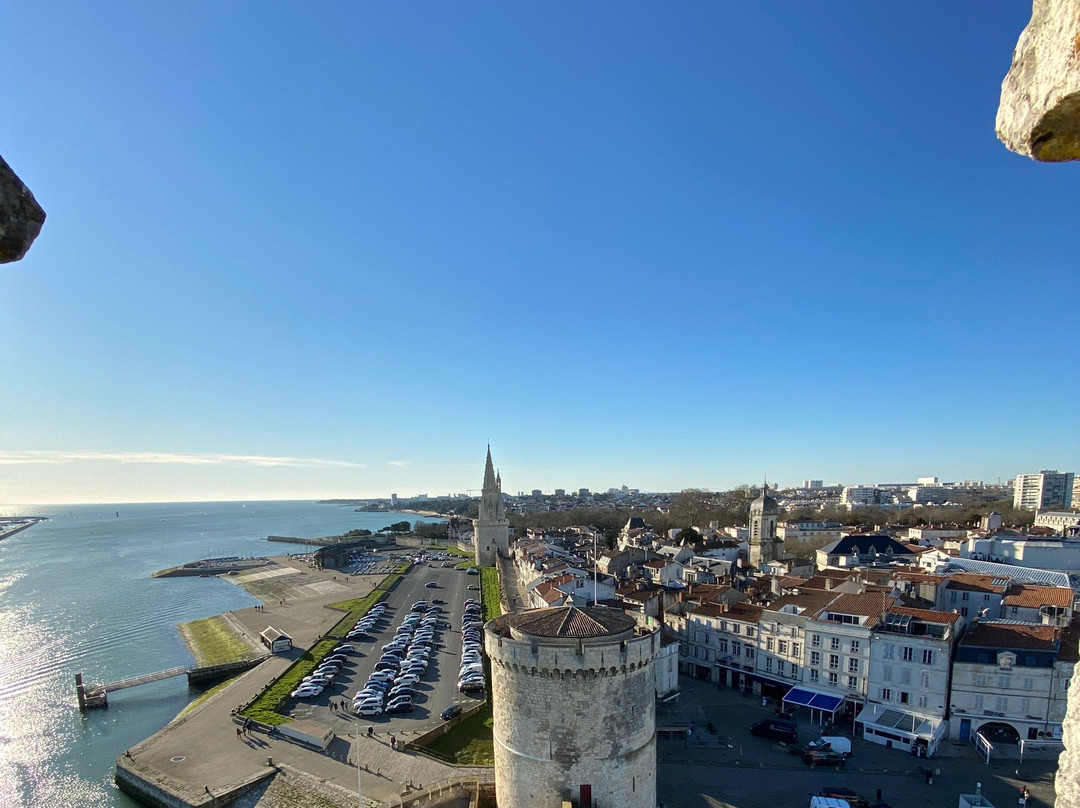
(776, 729)
(450, 712)
(816, 756)
(369, 709)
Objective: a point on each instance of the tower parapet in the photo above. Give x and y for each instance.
(574, 708)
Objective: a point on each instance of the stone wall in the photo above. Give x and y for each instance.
(1067, 781)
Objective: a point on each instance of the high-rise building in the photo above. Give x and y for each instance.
(1047, 489)
(491, 528)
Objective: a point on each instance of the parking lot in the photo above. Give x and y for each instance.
(437, 689)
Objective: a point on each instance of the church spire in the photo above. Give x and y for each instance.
(490, 484)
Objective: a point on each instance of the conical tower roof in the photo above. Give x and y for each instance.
(490, 484)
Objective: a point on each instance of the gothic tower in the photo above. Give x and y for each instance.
(764, 513)
(491, 530)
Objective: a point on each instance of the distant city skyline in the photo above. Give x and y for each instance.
(303, 256)
(182, 478)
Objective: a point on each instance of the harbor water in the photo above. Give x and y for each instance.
(76, 596)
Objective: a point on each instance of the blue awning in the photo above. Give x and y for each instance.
(811, 698)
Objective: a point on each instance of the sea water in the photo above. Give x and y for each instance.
(76, 596)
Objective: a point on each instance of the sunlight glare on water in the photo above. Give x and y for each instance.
(76, 596)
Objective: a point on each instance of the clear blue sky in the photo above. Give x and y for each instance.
(331, 249)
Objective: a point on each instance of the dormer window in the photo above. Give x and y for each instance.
(1006, 659)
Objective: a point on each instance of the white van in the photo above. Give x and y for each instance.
(828, 802)
(837, 743)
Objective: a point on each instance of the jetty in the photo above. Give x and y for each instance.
(94, 696)
(9, 526)
(209, 567)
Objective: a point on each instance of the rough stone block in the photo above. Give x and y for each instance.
(21, 216)
(1039, 113)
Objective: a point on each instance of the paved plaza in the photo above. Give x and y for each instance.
(733, 769)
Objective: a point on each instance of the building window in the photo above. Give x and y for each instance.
(886, 694)
(749, 631)
(723, 625)
(1029, 683)
(1003, 681)
(795, 671)
(905, 697)
(683, 649)
(927, 656)
(963, 611)
(721, 645)
(781, 646)
(834, 661)
(909, 653)
(815, 657)
(979, 702)
(1002, 704)
(1025, 706)
(853, 682)
(736, 647)
(922, 702)
(749, 652)
(854, 646)
(815, 640)
(964, 596)
(780, 667)
(768, 663)
(982, 680)
(886, 673)
(952, 597)
(735, 628)
(796, 650)
(833, 679)
(769, 644)
(853, 665)
(814, 675)
(924, 679)
(834, 643)
(889, 651)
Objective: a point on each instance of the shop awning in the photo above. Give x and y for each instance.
(801, 697)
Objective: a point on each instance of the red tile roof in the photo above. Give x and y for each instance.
(1032, 597)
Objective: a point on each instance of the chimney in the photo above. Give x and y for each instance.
(828, 584)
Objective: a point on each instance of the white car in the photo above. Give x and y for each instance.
(407, 679)
(306, 692)
(368, 709)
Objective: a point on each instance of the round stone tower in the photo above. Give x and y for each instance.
(574, 712)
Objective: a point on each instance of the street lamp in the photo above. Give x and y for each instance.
(359, 791)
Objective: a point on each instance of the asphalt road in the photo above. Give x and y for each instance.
(438, 688)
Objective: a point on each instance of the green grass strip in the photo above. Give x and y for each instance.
(450, 550)
(214, 641)
(490, 589)
(470, 743)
